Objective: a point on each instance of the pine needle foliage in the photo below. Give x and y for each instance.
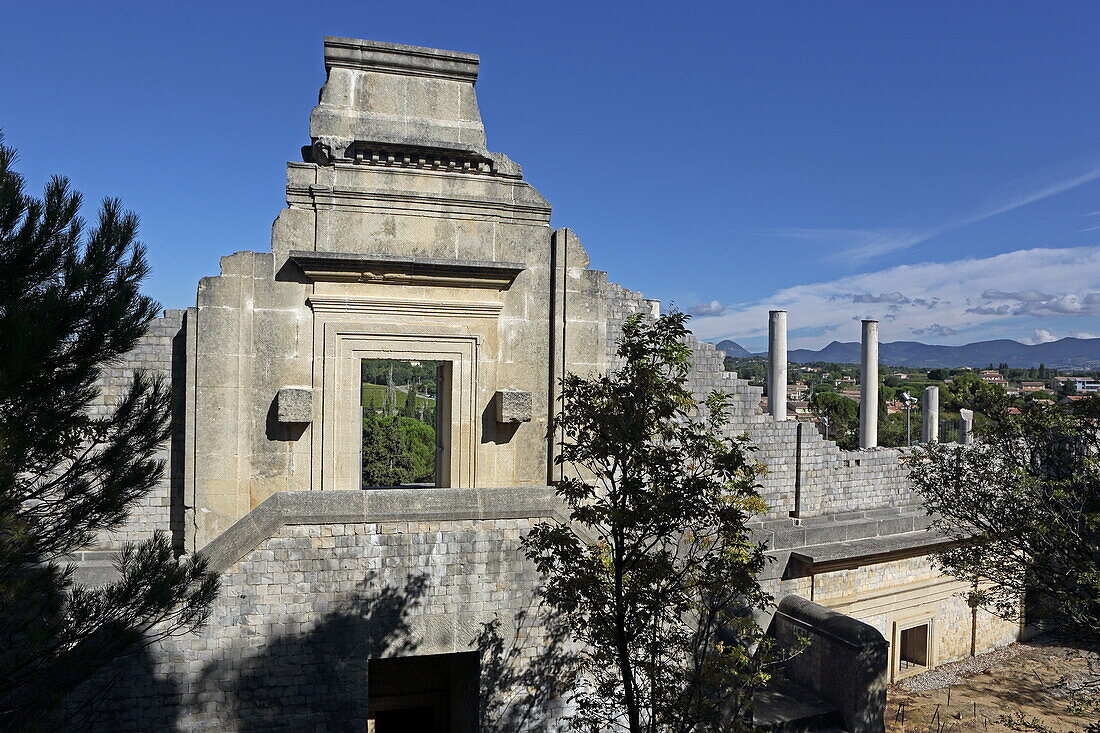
(70, 306)
(654, 574)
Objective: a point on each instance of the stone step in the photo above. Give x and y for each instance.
(788, 708)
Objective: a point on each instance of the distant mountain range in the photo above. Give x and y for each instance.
(1067, 353)
(732, 348)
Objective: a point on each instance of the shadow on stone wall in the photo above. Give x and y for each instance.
(127, 696)
(290, 678)
(524, 680)
(317, 679)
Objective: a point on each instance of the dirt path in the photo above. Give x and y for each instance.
(1039, 681)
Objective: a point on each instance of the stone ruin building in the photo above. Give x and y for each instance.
(406, 241)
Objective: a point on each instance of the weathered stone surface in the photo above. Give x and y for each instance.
(966, 426)
(294, 404)
(513, 406)
(868, 386)
(930, 415)
(846, 662)
(404, 238)
(397, 95)
(777, 364)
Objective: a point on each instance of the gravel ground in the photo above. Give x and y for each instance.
(953, 673)
(1042, 681)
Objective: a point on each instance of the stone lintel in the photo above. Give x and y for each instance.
(397, 58)
(396, 270)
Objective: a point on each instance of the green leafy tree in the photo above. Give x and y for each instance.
(418, 443)
(967, 390)
(843, 416)
(655, 574)
(1023, 501)
(409, 408)
(386, 461)
(69, 307)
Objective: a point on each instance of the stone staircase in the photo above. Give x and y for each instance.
(788, 708)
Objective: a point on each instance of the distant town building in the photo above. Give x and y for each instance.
(1084, 385)
(800, 409)
(992, 376)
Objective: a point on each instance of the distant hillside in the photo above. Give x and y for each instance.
(732, 348)
(1067, 353)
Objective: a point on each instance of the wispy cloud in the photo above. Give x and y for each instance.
(959, 301)
(854, 244)
(713, 308)
(862, 244)
(1033, 191)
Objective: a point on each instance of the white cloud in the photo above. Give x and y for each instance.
(1041, 336)
(713, 308)
(858, 245)
(956, 302)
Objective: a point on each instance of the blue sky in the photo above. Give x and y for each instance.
(933, 164)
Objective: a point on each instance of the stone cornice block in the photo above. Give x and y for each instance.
(390, 269)
(396, 58)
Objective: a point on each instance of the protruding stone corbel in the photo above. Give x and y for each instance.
(513, 406)
(294, 405)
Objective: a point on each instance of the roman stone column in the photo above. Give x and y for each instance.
(966, 426)
(777, 364)
(930, 415)
(868, 386)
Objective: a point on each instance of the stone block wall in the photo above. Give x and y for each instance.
(160, 354)
(846, 661)
(900, 591)
(828, 480)
(300, 616)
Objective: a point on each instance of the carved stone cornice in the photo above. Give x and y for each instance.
(396, 58)
(395, 270)
(337, 304)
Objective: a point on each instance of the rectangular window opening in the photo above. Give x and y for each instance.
(403, 411)
(913, 652)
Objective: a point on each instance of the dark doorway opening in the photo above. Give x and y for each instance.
(435, 693)
(914, 649)
(403, 407)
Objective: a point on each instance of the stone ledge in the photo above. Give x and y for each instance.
(375, 506)
(820, 531)
(842, 555)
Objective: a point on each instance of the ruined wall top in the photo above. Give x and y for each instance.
(386, 94)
